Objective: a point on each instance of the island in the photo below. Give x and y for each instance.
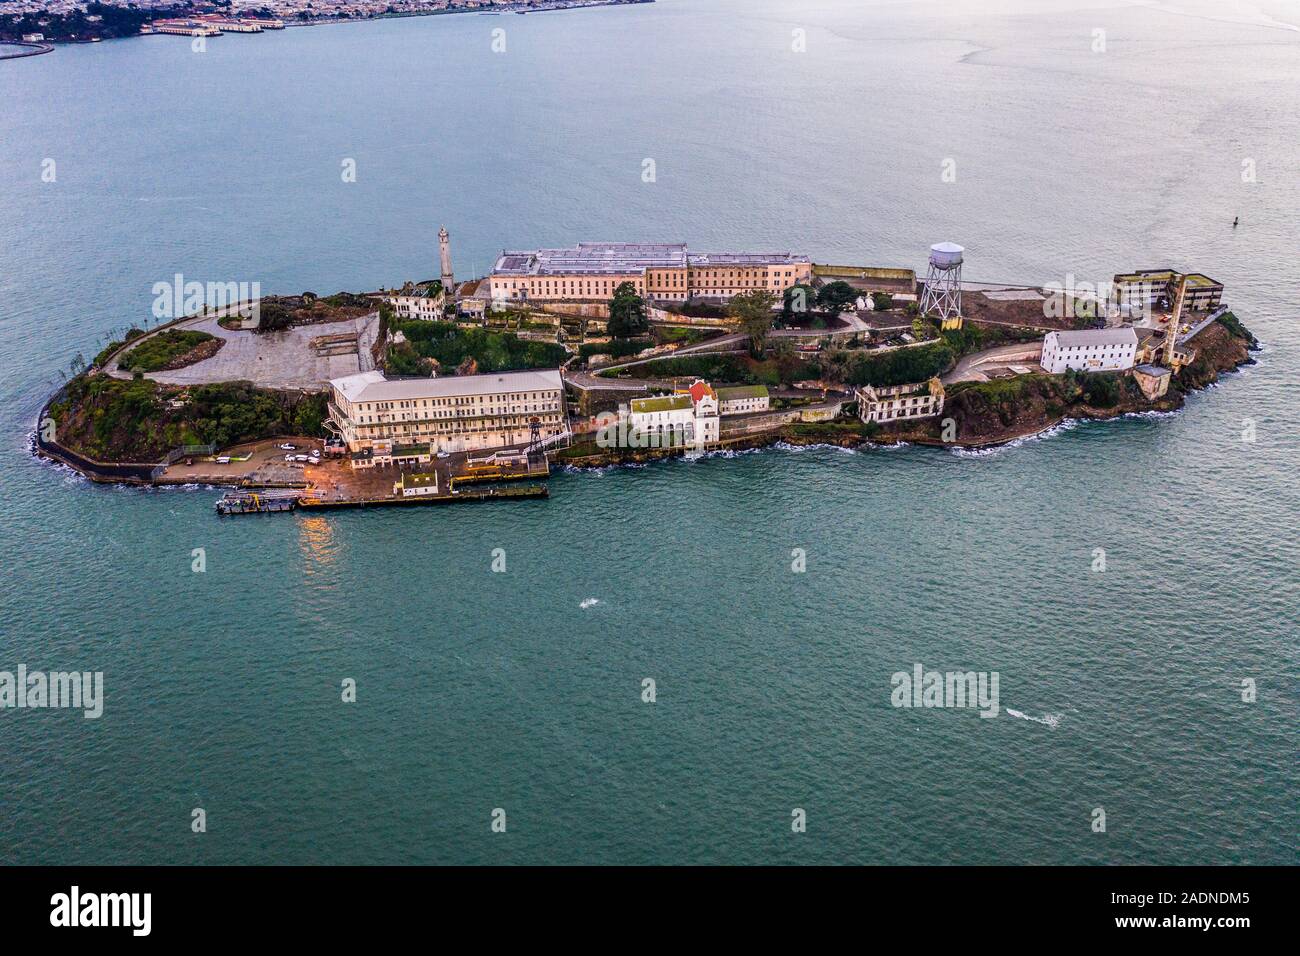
(600, 354)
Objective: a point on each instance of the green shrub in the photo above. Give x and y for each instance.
(450, 345)
(901, 366)
(158, 351)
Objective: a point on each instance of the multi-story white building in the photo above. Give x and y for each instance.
(900, 402)
(739, 399)
(688, 418)
(406, 418)
(1090, 350)
(662, 421)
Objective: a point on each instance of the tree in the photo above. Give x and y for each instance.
(882, 301)
(753, 312)
(836, 297)
(627, 317)
(798, 299)
(835, 365)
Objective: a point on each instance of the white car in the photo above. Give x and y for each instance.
(287, 447)
(314, 460)
(223, 460)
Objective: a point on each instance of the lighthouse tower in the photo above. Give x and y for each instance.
(444, 254)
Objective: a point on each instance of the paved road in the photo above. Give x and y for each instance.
(968, 369)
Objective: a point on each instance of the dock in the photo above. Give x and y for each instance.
(511, 493)
(247, 502)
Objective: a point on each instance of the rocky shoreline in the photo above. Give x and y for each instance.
(975, 417)
(1220, 351)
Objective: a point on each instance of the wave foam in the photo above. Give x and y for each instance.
(1049, 720)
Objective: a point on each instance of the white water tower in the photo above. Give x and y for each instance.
(942, 295)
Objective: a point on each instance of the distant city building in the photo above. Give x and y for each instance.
(900, 402)
(226, 25)
(661, 271)
(186, 28)
(738, 399)
(1146, 287)
(1090, 350)
(457, 413)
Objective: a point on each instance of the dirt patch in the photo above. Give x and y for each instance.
(204, 350)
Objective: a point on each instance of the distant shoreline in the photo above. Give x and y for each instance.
(47, 46)
(28, 49)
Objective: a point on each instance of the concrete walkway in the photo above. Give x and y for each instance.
(969, 368)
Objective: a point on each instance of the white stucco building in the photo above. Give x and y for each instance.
(688, 418)
(1090, 350)
(739, 399)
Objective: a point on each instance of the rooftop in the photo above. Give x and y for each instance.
(733, 392)
(1123, 335)
(663, 403)
(374, 386)
(620, 258)
(1157, 370)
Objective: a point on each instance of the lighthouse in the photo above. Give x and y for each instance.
(444, 255)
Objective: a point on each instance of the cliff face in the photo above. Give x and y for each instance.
(1218, 350)
(999, 411)
(1002, 410)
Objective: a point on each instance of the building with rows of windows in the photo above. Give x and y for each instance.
(1090, 350)
(383, 420)
(591, 271)
(900, 402)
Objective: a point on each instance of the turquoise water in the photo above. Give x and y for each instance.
(479, 690)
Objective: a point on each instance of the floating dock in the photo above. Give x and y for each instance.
(246, 502)
(513, 493)
(256, 502)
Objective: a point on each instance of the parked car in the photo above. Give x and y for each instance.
(314, 459)
(223, 459)
(287, 447)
